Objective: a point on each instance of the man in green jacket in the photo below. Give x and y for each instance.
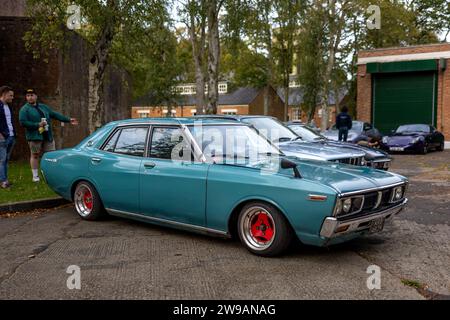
(36, 118)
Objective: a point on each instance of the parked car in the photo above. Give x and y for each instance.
(221, 178)
(414, 137)
(291, 144)
(360, 131)
(375, 158)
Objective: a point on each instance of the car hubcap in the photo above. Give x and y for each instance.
(258, 228)
(83, 200)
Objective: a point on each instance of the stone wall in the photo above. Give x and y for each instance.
(62, 83)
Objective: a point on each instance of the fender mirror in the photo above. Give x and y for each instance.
(288, 164)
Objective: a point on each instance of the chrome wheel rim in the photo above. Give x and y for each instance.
(83, 199)
(257, 228)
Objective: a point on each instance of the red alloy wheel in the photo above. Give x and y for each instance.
(262, 228)
(87, 198)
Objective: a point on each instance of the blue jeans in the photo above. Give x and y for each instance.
(6, 147)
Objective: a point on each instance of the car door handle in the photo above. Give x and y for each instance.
(96, 160)
(149, 165)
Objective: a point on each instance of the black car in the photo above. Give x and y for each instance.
(414, 137)
(375, 158)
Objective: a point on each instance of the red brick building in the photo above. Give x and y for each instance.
(244, 100)
(405, 85)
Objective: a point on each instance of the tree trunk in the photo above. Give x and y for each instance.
(97, 67)
(266, 100)
(286, 102)
(198, 50)
(213, 57)
(335, 39)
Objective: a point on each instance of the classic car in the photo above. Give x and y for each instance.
(414, 137)
(292, 144)
(375, 158)
(360, 131)
(221, 178)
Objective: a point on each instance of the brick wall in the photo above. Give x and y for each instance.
(13, 8)
(61, 83)
(276, 105)
(364, 87)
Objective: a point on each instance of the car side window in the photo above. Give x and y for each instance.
(109, 146)
(131, 141)
(367, 126)
(169, 143)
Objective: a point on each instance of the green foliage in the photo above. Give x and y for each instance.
(243, 67)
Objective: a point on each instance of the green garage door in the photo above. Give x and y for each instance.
(402, 98)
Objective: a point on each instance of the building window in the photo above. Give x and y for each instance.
(223, 87)
(229, 112)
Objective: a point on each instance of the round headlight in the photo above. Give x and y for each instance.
(347, 205)
(398, 193)
(385, 139)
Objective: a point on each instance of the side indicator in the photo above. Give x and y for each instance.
(317, 197)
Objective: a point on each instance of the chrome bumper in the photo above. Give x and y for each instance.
(332, 227)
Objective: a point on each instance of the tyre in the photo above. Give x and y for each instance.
(424, 149)
(441, 146)
(87, 202)
(263, 229)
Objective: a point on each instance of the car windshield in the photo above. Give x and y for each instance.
(306, 133)
(232, 142)
(413, 128)
(272, 129)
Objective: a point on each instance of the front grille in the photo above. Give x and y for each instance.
(357, 161)
(375, 201)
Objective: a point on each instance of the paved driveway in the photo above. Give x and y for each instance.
(126, 259)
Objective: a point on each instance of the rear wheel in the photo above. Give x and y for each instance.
(263, 230)
(441, 146)
(87, 201)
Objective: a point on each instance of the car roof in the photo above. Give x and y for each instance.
(172, 121)
(230, 117)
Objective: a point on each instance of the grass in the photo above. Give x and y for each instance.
(412, 283)
(19, 174)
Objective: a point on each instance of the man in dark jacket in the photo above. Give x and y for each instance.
(7, 133)
(343, 123)
(36, 118)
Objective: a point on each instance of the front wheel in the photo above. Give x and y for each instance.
(87, 201)
(441, 146)
(263, 229)
(424, 149)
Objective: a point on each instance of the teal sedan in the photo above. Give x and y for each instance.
(221, 178)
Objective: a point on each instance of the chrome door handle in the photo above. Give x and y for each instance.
(149, 165)
(96, 160)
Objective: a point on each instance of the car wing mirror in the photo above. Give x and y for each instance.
(288, 164)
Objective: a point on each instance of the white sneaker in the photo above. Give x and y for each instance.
(36, 179)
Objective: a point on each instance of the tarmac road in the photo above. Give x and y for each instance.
(123, 259)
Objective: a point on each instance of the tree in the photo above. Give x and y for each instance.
(286, 21)
(105, 24)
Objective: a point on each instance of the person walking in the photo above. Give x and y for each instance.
(7, 133)
(36, 118)
(343, 123)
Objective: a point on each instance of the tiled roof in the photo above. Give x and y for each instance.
(296, 95)
(239, 96)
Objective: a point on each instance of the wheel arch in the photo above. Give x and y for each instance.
(78, 180)
(233, 217)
